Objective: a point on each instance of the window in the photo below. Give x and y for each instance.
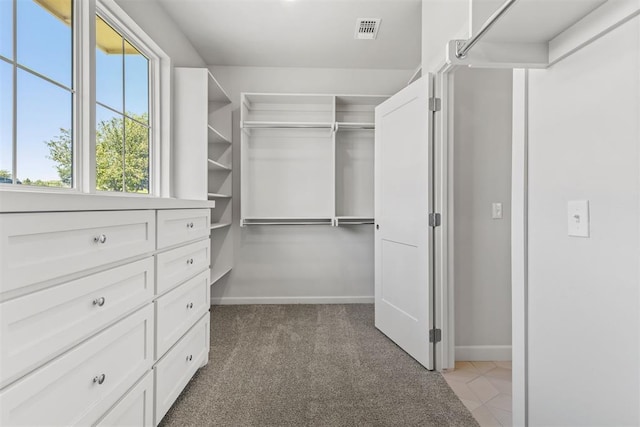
(122, 113)
(49, 108)
(36, 83)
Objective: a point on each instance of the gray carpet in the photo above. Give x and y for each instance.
(311, 365)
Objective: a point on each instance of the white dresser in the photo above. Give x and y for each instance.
(104, 315)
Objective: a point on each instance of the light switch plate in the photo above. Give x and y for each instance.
(496, 210)
(578, 218)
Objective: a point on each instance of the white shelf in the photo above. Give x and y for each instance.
(353, 220)
(360, 100)
(285, 125)
(215, 137)
(220, 275)
(213, 165)
(215, 92)
(219, 225)
(535, 34)
(287, 221)
(355, 126)
(535, 21)
(218, 196)
(299, 99)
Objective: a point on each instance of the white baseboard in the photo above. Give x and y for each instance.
(479, 353)
(290, 300)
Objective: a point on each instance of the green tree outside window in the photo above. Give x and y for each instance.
(113, 168)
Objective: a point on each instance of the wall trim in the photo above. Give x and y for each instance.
(291, 300)
(479, 353)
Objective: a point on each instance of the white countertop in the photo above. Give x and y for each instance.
(12, 201)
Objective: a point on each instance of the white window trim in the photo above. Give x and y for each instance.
(159, 97)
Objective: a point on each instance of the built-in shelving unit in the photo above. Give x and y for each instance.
(203, 137)
(307, 159)
(216, 137)
(354, 159)
(219, 161)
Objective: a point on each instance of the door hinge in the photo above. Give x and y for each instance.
(435, 104)
(435, 335)
(434, 220)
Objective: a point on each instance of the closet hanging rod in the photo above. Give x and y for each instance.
(464, 46)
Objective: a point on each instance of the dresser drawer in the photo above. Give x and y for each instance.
(43, 246)
(81, 385)
(175, 369)
(182, 225)
(38, 326)
(177, 265)
(136, 407)
(178, 310)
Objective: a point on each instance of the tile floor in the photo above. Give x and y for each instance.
(485, 389)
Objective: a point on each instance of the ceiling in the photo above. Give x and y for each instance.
(300, 33)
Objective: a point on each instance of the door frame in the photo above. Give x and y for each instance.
(444, 286)
(443, 203)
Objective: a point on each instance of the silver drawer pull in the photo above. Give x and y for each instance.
(99, 301)
(190, 261)
(190, 225)
(190, 358)
(190, 305)
(100, 239)
(99, 378)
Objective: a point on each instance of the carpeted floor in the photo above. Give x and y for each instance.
(311, 365)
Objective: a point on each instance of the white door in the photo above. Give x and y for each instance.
(403, 193)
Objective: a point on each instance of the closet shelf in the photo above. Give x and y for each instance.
(216, 93)
(213, 165)
(529, 20)
(220, 275)
(287, 221)
(218, 196)
(285, 125)
(354, 126)
(215, 137)
(353, 220)
(218, 225)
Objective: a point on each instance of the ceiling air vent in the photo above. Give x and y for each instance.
(367, 29)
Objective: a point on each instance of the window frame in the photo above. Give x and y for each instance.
(84, 101)
(131, 36)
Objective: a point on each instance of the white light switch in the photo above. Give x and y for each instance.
(496, 211)
(578, 218)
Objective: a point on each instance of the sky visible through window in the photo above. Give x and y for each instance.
(44, 44)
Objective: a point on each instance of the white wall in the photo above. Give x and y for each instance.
(482, 175)
(299, 263)
(584, 306)
(442, 21)
(156, 22)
